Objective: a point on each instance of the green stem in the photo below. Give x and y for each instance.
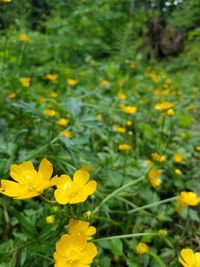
(152, 204)
(125, 236)
(21, 54)
(117, 191)
(47, 200)
(157, 259)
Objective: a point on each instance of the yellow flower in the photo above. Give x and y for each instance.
(105, 83)
(72, 82)
(76, 190)
(197, 148)
(129, 123)
(51, 77)
(99, 116)
(148, 162)
(178, 158)
(129, 109)
(178, 172)
(142, 248)
(153, 177)
(77, 227)
(53, 94)
(74, 251)
(66, 134)
(121, 95)
(50, 112)
(170, 112)
(12, 95)
(120, 129)
(164, 105)
(124, 147)
(188, 199)
(23, 38)
(188, 258)
(25, 81)
(157, 157)
(62, 122)
(50, 219)
(29, 183)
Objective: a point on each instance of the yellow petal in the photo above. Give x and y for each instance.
(81, 176)
(61, 196)
(20, 172)
(90, 252)
(90, 187)
(46, 169)
(12, 189)
(186, 257)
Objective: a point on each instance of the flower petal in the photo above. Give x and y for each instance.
(12, 189)
(81, 176)
(20, 172)
(46, 169)
(61, 196)
(90, 187)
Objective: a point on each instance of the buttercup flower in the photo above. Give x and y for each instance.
(23, 38)
(178, 158)
(129, 109)
(50, 112)
(50, 219)
(124, 147)
(62, 122)
(76, 190)
(197, 148)
(51, 77)
(66, 134)
(74, 251)
(53, 94)
(188, 199)
(178, 171)
(81, 228)
(157, 157)
(170, 112)
(29, 182)
(72, 82)
(142, 248)
(164, 106)
(105, 83)
(25, 81)
(120, 129)
(188, 258)
(153, 177)
(121, 95)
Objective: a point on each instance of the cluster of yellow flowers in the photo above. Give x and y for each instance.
(31, 183)
(73, 249)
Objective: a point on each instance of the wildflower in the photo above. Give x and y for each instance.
(142, 248)
(51, 77)
(29, 183)
(50, 112)
(105, 83)
(188, 199)
(25, 81)
(170, 112)
(121, 95)
(62, 122)
(12, 95)
(197, 148)
(124, 147)
(148, 162)
(74, 251)
(76, 190)
(99, 116)
(157, 157)
(72, 82)
(120, 129)
(66, 134)
(178, 158)
(129, 109)
(164, 106)
(50, 219)
(53, 94)
(188, 258)
(129, 123)
(23, 38)
(77, 227)
(153, 177)
(178, 171)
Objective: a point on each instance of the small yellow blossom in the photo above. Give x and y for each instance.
(148, 162)
(121, 95)
(50, 112)
(178, 171)
(50, 219)
(66, 134)
(178, 158)
(124, 147)
(76, 190)
(51, 77)
(23, 38)
(129, 109)
(29, 183)
(12, 95)
(99, 117)
(53, 94)
(62, 122)
(188, 199)
(105, 83)
(72, 82)
(188, 258)
(164, 106)
(129, 123)
(120, 129)
(170, 112)
(153, 177)
(77, 227)
(74, 251)
(197, 148)
(142, 248)
(157, 157)
(25, 81)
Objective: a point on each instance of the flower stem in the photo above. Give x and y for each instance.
(152, 204)
(47, 200)
(125, 236)
(117, 191)
(157, 259)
